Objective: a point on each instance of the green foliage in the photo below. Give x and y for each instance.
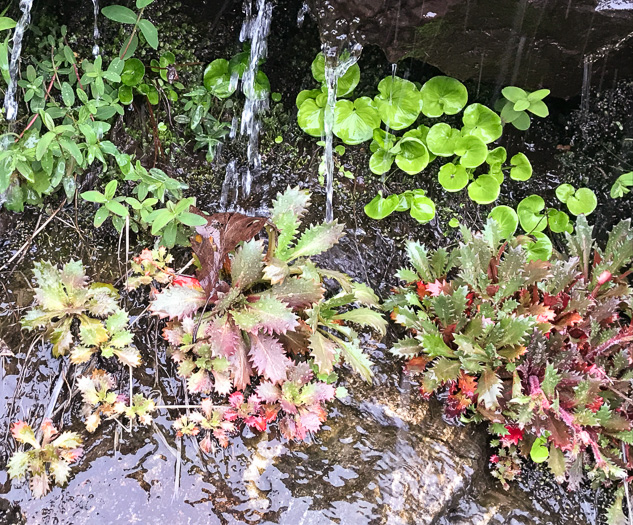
(516, 102)
(538, 349)
(581, 201)
(78, 317)
(464, 152)
(124, 15)
(275, 308)
(621, 185)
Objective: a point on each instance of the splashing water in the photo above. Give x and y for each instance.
(335, 68)
(95, 33)
(10, 103)
(255, 28)
(231, 182)
(305, 9)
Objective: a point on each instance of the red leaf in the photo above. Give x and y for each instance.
(514, 435)
(219, 237)
(269, 357)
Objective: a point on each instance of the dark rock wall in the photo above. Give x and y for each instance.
(530, 43)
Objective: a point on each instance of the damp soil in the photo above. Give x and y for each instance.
(385, 455)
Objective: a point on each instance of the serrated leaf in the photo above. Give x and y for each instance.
(177, 302)
(407, 347)
(269, 358)
(223, 336)
(446, 369)
(434, 346)
(550, 380)
(39, 484)
(286, 215)
(356, 358)
(324, 351)
(128, 356)
(246, 267)
(92, 332)
(489, 389)
(60, 471)
(365, 317)
(18, 464)
(316, 239)
(267, 314)
(298, 292)
(68, 440)
(418, 256)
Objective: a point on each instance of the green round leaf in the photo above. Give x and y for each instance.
(379, 207)
(354, 122)
(482, 122)
(260, 89)
(584, 201)
(413, 156)
(276, 96)
(497, 156)
(398, 102)
(306, 94)
(507, 220)
(346, 83)
(558, 220)
(484, 189)
(217, 79)
(539, 452)
(514, 94)
(540, 249)
(381, 161)
(454, 222)
(472, 150)
(521, 167)
(422, 209)
(441, 140)
(133, 72)
(310, 118)
(530, 216)
(126, 95)
(564, 191)
(442, 95)
(452, 177)
(239, 63)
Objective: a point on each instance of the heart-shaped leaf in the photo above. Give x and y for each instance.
(584, 201)
(507, 220)
(217, 79)
(413, 156)
(133, 72)
(564, 191)
(379, 207)
(452, 177)
(398, 102)
(472, 150)
(484, 189)
(521, 167)
(482, 122)
(310, 117)
(443, 95)
(530, 216)
(422, 209)
(354, 122)
(441, 140)
(540, 249)
(346, 84)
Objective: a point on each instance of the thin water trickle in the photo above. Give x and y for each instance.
(95, 32)
(255, 29)
(586, 84)
(10, 103)
(335, 68)
(394, 70)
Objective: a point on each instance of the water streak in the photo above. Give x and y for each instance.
(10, 103)
(586, 84)
(230, 186)
(335, 67)
(95, 32)
(305, 9)
(255, 28)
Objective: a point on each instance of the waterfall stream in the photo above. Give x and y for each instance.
(335, 68)
(10, 103)
(255, 29)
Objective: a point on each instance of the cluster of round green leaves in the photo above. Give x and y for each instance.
(578, 201)
(516, 102)
(398, 105)
(133, 79)
(416, 202)
(221, 77)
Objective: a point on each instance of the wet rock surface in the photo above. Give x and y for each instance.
(529, 43)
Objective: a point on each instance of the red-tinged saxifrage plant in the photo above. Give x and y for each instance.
(256, 324)
(47, 457)
(540, 350)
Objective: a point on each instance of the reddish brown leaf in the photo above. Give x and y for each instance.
(216, 239)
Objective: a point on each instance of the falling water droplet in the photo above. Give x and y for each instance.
(230, 185)
(10, 103)
(305, 9)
